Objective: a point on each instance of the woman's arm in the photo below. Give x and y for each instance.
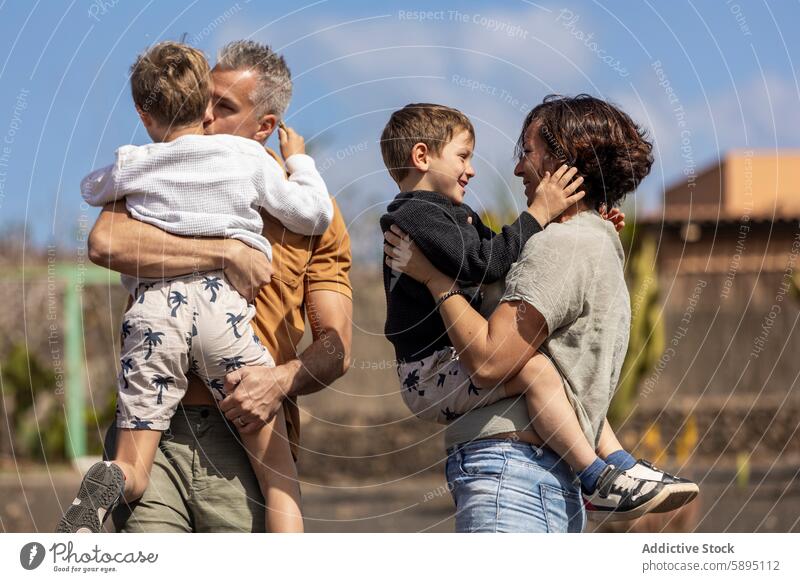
(492, 350)
(126, 245)
(497, 349)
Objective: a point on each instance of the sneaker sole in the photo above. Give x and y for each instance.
(679, 494)
(611, 515)
(99, 491)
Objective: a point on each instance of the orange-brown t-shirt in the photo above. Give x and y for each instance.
(301, 264)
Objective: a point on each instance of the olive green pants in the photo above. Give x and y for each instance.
(201, 480)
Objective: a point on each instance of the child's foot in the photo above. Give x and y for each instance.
(100, 490)
(619, 496)
(681, 491)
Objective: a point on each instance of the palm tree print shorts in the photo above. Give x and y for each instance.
(439, 389)
(192, 324)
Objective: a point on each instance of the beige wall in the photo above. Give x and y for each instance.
(763, 185)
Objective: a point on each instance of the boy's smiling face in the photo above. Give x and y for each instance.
(451, 169)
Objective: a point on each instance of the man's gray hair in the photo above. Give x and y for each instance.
(274, 83)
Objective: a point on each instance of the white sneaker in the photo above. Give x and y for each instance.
(100, 490)
(619, 496)
(680, 491)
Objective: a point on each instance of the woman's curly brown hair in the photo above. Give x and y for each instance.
(611, 152)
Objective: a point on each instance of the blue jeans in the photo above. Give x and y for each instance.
(506, 486)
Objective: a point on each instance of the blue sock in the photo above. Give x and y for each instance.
(591, 474)
(621, 459)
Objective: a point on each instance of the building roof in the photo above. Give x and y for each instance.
(746, 185)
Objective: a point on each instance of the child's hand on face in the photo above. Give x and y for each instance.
(291, 142)
(555, 193)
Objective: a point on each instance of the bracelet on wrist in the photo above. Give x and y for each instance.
(450, 294)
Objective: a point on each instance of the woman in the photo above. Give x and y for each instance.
(565, 295)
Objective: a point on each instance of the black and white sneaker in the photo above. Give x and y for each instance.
(101, 489)
(620, 497)
(680, 491)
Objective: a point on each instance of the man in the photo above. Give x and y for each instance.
(202, 480)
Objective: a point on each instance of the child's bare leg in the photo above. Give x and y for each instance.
(608, 442)
(610, 449)
(551, 413)
(274, 467)
(136, 450)
(607, 489)
(106, 482)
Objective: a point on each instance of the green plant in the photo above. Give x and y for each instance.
(794, 288)
(646, 342)
(742, 470)
(34, 414)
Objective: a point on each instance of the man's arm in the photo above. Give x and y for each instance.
(328, 357)
(126, 245)
(256, 393)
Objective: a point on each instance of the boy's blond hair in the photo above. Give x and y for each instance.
(171, 82)
(428, 123)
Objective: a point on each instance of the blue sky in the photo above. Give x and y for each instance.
(707, 77)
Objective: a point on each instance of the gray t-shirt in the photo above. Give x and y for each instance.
(572, 273)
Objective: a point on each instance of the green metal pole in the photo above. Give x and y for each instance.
(75, 396)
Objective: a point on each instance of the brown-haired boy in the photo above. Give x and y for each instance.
(427, 150)
(191, 184)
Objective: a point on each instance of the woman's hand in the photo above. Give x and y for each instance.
(402, 255)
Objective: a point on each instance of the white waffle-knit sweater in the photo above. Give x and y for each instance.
(212, 186)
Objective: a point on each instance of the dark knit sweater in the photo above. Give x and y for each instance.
(472, 254)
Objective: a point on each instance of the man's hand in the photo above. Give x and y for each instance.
(291, 142)
(555, 194)
(246, 269)
(255, 394)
